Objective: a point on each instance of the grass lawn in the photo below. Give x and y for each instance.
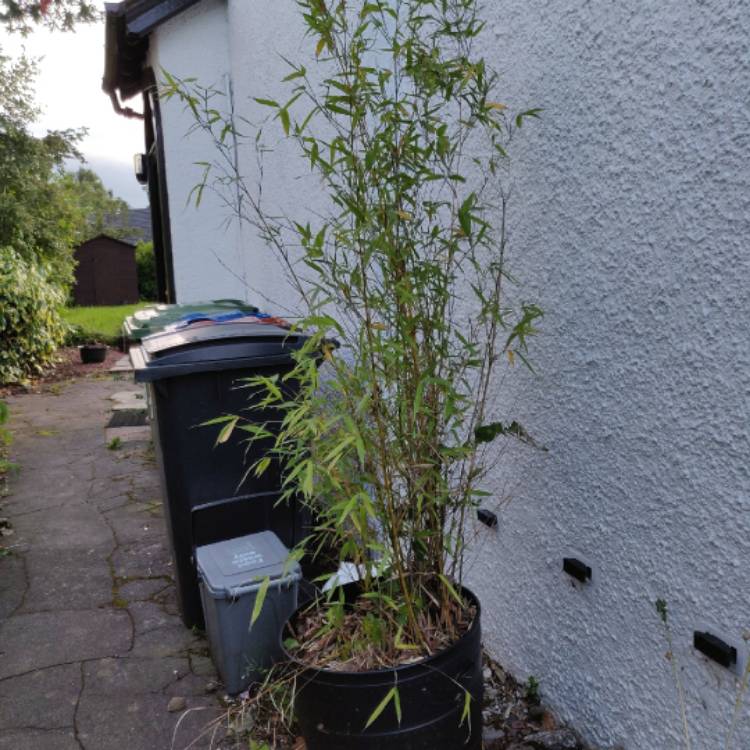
(101, 322)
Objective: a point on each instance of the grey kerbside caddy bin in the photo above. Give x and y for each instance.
(231, 573)
(193, 375)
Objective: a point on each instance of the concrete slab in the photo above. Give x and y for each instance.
(135, 399)
(140, 434)
(133, 676)
(122, 366)
(69, 527)
(46, 639)
(143, 589)
(139, 723)
(67, 579)
(133, 522)
(148, 616)
(90, 635)
(35, 739)
(55, 692)
(142, 559)
(173, 640)
(12, 584)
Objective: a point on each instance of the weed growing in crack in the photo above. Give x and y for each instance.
(663, 611)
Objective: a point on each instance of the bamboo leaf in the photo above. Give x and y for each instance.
(218, 420)
(260, 597)
(528, 113)
(307, 482)
(466, 713)
(451, 589)
(226, 431)
(391, 695)
(285, 121)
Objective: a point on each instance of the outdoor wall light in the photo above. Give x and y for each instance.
(577, 569)
(140, 167)
(487, 517)
(715, 649)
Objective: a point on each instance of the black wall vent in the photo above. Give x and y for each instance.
(577, 569)
(715, 649)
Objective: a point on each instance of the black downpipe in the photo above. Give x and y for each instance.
(158, 195)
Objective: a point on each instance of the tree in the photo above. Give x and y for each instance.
(406, 268)
(146, 263)
(23, 15)
(45, 212)
(39, 224)
(97, 209)
(36, 220)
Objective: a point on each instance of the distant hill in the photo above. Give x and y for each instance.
(136, 222)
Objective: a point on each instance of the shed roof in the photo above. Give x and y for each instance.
(105, 236)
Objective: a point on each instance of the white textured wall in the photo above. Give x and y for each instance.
(208, 259)
(630, 225)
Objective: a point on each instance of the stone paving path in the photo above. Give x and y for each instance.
(91, 647)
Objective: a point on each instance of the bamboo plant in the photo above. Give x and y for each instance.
(387, 441)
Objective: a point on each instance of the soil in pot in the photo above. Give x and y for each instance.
(334, 706)
(92, 353)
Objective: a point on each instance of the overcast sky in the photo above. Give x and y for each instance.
(69, 91)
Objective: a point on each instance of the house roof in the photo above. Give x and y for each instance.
(127, 27)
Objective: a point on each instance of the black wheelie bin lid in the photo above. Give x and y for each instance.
(211, 348)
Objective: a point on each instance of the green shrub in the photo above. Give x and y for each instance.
(31, 328)
(146, 263)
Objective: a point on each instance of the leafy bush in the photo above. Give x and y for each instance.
(146, 263)
(30, 325)
(6, 438)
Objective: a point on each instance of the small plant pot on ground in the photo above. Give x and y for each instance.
(92, 353)
(333, 708)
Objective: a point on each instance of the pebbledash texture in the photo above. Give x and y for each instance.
(629, 222)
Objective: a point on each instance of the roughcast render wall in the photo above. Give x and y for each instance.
(631, 227)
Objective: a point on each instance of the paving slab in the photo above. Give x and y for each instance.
(138, 723)
(128, 400)
(130, 675)
(45, 639)
(12, 585)
(92, 647)
(36, 739)
(161, 643)
(143, 589)
(140, 434)
(142, 559)
(133, 522)
(67, 579)
(55, 692)
(65, 528)
(28, 502)
(122, 366)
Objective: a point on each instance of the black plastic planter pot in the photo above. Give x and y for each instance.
(332, 708)
(92, 353)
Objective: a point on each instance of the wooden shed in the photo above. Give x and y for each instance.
(106, 273)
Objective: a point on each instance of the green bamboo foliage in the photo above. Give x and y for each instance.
(407, 272)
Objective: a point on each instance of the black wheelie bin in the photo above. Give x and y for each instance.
(194, 375)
